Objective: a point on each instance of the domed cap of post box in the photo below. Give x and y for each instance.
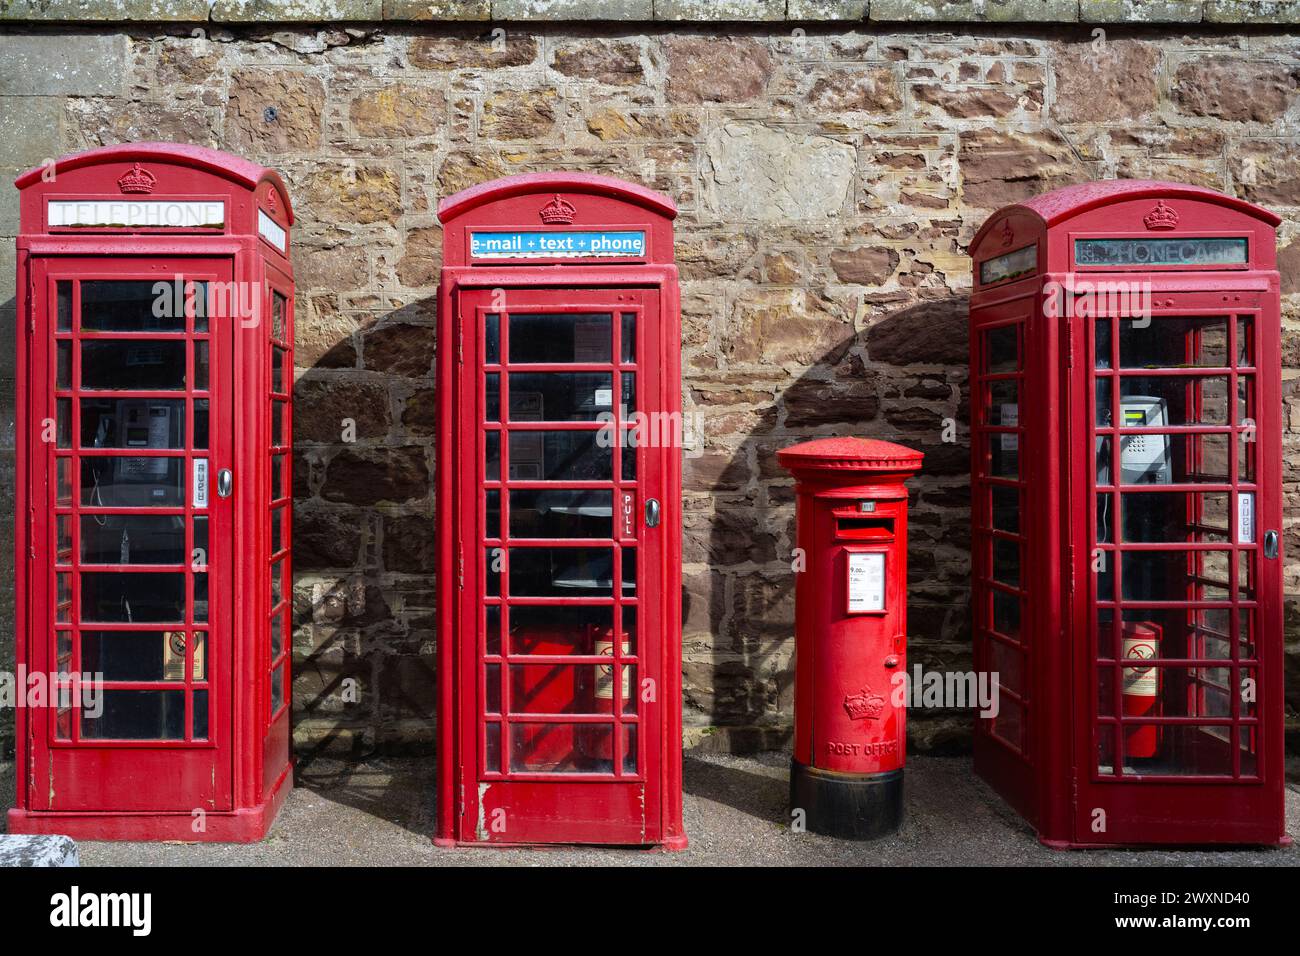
(827, 456)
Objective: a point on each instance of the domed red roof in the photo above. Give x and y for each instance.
(850, 454)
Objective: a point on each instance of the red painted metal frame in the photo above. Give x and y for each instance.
(136, 789)
(642, 808)
(1050, 773)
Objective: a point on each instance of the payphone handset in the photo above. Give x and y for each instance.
(1144, 459)
(135, 423)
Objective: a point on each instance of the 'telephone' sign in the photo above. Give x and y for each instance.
(556, 245)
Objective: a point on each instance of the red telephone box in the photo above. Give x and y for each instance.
(1126, 469)
(850, 729)
(155, 371)
(559, 515)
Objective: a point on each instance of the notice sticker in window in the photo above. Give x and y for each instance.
(866, 582)
(1246, 517)
(200, 483)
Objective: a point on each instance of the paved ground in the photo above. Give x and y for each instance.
(381, 812)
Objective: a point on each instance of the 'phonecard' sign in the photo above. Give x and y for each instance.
(557, 245)
(866, 582)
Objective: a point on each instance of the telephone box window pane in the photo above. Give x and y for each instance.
(1002, 350)
(277, 530)
(1246, 401)
(629, 748)
(586, 689)
(63, 365)
(63, 431)
(201, 597)
(277, 634)
(148, 305)
(559, 456)
(560, 396)
(1245, 459)
(1154, 459)
(1002, 403)
(1148, 402)
(491, 339)
(63, 292)
(561, 514)
(277, 369)
(201, 364)
(277, 477)
(492, 744)
(629, 393)
(1180, 632)
(572, 629)
(63, 650)
(492, 397)
(1105, 633)
(134, 655)
(200, 307)
(63, 587)
(1177, 750)
(277, 689)
(64, 534)
(154, 423)
(277, 583)
(1008, 663)
(561, 748)
(199, 664)
(628, 612)
(561, 337)
(1245, 341)
(1009, 722)
(629, 572)
(200, 715)
(1175, 575)
(1102, 356)
(1174, 342)
(201, 423)
(122, 364)
(277, 316)
(133, 539)
(1102, 401)
(1105, 518)
(121, 482)
(494, 558)
(1176, 517)
(492, 514)
(627, 340)
(1006, 614)
(278, 429)
(137, 715)
(63, 481)
(1003, 451)
(628, 466)
(492, 456)
(561, 572)
(1006, 562)
(492, 689)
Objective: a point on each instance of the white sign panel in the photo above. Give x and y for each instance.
(1246, 517)
(200, 483)
(137, 213)
(866, 582)
(270, 230)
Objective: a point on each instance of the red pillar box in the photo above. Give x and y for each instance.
(850, 633)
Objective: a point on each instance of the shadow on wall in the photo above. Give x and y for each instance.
(904, 379)
(364, 604)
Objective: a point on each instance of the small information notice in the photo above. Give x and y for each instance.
(557, 245)
(1246, 517)
(200, 483)
(866, 582)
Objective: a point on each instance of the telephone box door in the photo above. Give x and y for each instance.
(558, 638)
(1182, 470)
(131, 377)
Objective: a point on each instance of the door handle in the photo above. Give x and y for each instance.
(225, 483)
(651, 513)
(1270, 544)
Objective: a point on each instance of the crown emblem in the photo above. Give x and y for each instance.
(864, 705)
(271, 204)
(1008, 234)
(137, 180)
(1161, 217)
(558, 212)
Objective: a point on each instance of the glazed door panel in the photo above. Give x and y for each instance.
(129, 542)
(559, 392)
(1180, 485)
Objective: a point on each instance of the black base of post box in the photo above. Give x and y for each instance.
(849, 806)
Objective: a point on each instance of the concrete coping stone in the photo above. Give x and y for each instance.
(234, 12)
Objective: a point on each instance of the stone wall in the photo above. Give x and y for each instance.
(829, 179)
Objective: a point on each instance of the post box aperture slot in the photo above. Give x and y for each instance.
(864, 529)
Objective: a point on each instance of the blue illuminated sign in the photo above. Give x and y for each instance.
(556, 245)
